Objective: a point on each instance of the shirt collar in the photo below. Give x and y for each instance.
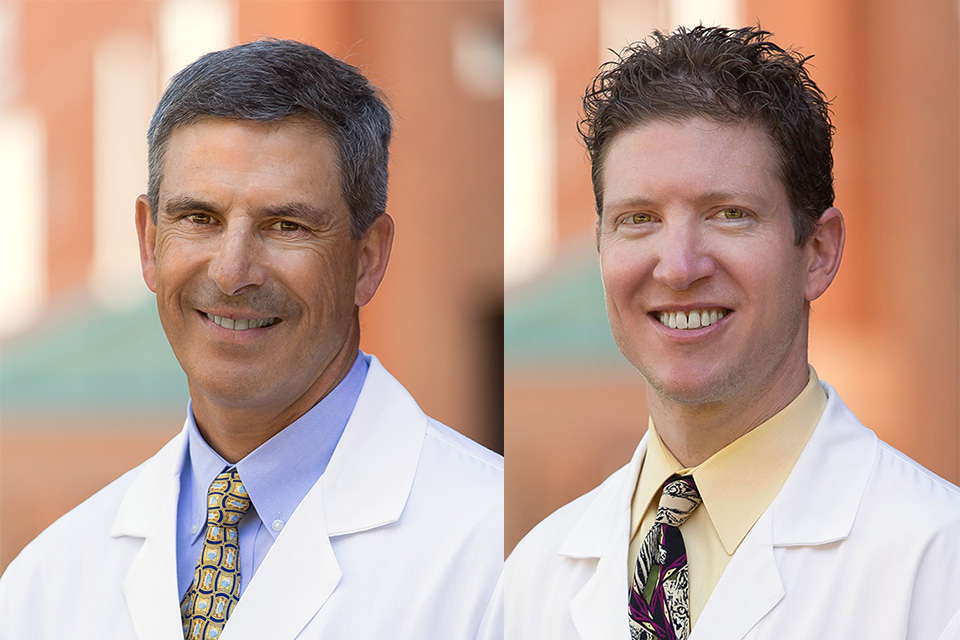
(280, 472)
(740, 481)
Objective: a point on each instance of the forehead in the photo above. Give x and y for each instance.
(668, 159)
(294, 153)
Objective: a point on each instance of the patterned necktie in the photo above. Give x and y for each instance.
(215, 590)
(665, 615)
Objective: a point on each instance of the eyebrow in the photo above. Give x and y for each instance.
(302, 210)
(732, 196)
(182, 204)
(746, 197)
(635, 201)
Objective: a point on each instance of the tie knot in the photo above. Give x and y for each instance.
(680, 498)
(227, 499)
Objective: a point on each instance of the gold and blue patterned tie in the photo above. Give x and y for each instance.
(215, 590)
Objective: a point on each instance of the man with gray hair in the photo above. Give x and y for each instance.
(307, 495)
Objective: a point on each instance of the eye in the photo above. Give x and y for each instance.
(640, 218)
(286, 225)
(200, 218)
(732, 214)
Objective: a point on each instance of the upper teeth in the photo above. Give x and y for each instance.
(690, 319)
(241, 325)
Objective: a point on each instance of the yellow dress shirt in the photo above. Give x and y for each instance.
(737, 485)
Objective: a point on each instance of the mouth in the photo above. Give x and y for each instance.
(690, 319)
(237, 324)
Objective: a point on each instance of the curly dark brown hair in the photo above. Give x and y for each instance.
(723, 75)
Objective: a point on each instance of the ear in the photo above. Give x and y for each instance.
(375, 248)
(147, 235)
(596, 232)
(824, 250)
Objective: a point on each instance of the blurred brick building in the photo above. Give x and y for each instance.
(89, 386)
(885, 334)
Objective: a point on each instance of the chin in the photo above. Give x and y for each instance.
(687, 394)
(687, 388)
(233, 391)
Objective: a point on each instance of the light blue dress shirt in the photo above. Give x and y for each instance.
(277, 475)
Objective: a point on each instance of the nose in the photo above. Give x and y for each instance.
(235, 267)
(682, 259)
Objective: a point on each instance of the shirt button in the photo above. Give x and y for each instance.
(194, 528)
(277, 525)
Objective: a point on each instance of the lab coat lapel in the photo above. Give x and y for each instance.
(372, 470)
(149, 512)
(295, 578)
(365, 486)
(748, 589)
(599, 609)
(820, 499)
(817, 505)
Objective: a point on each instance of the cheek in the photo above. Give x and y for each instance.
(176, 257)
(169, 270)
(776, 286)
(338, 274)
(623, 271)
(325, 276)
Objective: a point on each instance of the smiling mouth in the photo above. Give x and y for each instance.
(693, 319)
(241, 325)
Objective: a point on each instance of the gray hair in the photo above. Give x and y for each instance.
(272, 80)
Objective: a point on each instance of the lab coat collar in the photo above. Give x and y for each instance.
(599, 610)
(594, 532)
(149, 511)
(812, 508)
(817, 505)
(365, 486)
(371, 473)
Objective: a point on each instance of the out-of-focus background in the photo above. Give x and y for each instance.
(89, 385)
(885, 334)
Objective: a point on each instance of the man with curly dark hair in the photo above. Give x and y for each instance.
(757, 505)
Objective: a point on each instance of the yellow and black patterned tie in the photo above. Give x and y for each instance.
(660, 600)
(215, 590)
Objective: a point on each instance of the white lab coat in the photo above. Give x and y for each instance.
(402, 537)
(861, 542)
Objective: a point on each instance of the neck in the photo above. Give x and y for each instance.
(234, 432)
(694, 432)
